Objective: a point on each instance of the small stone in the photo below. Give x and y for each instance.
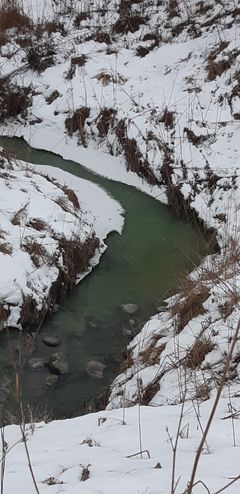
(94, 368)
(52, 380)
(36, 363)
(129, 308)
(51, 340)
(58, 364)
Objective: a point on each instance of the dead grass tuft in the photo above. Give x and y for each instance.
(71, 196)
(6, 248)
(37, 253)
(85, 473)
(37, 224)
(198, 352)
(150, 391)
(40, 56)
(191, 305)
(104, 120)
(150, 356)
(78, 61)
(76, 123)
(134, 159)
(14, 100)
(11, 16)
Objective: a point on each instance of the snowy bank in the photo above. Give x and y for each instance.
(53, 228)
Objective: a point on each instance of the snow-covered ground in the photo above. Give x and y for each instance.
(108, 445)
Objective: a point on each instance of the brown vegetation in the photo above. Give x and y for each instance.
(198, 352)
(14, 100)
(76, 123)
(190, 305)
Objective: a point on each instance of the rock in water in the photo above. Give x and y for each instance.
(51, 340)
(129, 308)
(52, 380)
(94, 368)
(58, 364)
(36, 363)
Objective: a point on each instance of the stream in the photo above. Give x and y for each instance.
(142, 266)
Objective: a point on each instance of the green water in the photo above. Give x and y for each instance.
(141, 266)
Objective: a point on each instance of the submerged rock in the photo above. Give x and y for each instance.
(51, 340)
(36, 363)
(52, 380)
(129, 308)
(94, 368)
(58, 364)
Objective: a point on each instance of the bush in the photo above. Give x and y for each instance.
(14, 100)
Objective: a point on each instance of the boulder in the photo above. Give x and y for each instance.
(51, 340)
(129, 308)
(58, 364)
(94, 368)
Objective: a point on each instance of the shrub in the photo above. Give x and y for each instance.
(14, 100)
(41, 56)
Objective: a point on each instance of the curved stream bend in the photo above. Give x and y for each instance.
(141, 266)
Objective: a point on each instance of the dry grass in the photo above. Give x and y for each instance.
(190, 305)
(37, 224)
(85, 473)
(198, 352)
(107, 78)
(149, 392)
(150, 356)
(105, 119)
(6, 248)
(14, 100)
(11, 16)
(76, 123)
(37, 253)
(71, 196)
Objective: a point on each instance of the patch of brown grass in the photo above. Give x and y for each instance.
(6, 248)
(150, 391)
(198, 352)
(150, 356)
(104, 120)
(14, 100)
(76, 123)
(37, 253)
(191, 305)
(71, 196)
(37, 224)
(12, 17)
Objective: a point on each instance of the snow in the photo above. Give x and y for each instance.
(105, 442)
